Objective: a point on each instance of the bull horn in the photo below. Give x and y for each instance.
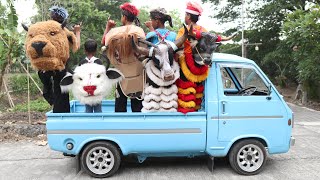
(147, 42)
(138, 49)
(26, 28)
(183, 38)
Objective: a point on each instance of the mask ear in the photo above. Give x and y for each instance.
(66, 82)
(72, 40)
(114, 75)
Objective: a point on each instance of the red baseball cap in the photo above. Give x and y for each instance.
(194, 8)
(130, 8)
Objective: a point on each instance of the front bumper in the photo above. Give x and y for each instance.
(292, 141)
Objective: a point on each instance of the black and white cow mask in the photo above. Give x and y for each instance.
(91, 82)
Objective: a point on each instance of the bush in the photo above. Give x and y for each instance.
(19, 84)
(40, 105)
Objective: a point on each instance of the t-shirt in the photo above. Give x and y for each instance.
(93, 59)
(159, 34)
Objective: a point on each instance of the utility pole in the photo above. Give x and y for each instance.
(242, 24)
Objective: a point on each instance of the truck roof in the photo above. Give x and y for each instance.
(223, 57)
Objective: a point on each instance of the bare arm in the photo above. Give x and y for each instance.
(110, 24)
(77, 31)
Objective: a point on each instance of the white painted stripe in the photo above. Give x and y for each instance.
(246, 117)
(126, 131)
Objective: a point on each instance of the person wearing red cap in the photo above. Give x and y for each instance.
(129, 15)
(121, 55)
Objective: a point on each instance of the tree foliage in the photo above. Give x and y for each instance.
(279, 24)
(302, 30)
(11, 44)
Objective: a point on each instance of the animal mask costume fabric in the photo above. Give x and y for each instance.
(91, 82)
(47, 45)
(122, 56)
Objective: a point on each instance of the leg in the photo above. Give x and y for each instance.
(121, 101)
(89, 109)
(136, 105)
(97, 108)
(61, 100)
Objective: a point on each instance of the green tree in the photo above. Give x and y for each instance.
(11, 44)
(267, 18)
(302, 30)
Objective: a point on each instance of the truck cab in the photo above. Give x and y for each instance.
(242, 116)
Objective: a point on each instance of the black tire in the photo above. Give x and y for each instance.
(100, 159)
(248, 157)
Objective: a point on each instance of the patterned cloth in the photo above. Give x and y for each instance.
(154, 37)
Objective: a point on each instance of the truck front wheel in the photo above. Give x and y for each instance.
(100, 159)
(248, 157)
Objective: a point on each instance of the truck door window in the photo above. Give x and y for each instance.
(245, 81)
(228, 84)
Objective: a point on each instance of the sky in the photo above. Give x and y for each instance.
(25, 9)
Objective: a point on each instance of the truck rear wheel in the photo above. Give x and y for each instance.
(248, 157)
(100, 159)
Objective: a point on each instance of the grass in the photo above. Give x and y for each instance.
(39, 105)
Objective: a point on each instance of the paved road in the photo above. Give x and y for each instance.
(25, 160)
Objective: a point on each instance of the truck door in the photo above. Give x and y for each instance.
(248, 107)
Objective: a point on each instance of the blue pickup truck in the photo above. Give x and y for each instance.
(243, 117)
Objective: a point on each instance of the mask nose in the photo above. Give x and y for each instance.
(207, 61)
(38, 46)
(90, 89)
(169, 78)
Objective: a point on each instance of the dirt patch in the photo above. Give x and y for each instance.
(22, 117)
(15, 126)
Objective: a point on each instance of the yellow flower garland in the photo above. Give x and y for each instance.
(184, 104)
(188, 74)
(187, 91)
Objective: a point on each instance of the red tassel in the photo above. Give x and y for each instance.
(199, 88)
(198, 101)
(185, 84)
(186, 98)
(192, 67)
(186, 110)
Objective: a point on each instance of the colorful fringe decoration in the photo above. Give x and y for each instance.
(190, 93)
(189, 75)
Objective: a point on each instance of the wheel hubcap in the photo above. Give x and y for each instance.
(100, 160)
(250, 158)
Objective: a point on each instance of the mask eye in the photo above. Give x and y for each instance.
(80, 79)
(31, 35)
(52, 33)
(98, 76)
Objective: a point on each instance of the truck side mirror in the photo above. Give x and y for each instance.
(269, 88)
(227, 83)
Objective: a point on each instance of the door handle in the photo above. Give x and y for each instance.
(223, 106)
